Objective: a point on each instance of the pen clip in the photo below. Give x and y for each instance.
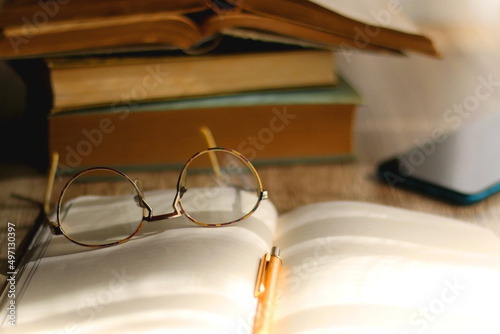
(259, 284)
(261, 275)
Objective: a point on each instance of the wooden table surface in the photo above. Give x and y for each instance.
(406, 99)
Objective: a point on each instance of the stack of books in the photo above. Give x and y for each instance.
(133, 82)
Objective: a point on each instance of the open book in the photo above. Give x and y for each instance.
(348, 267)
(33, 28)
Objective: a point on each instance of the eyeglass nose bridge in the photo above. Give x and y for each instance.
(150, 217)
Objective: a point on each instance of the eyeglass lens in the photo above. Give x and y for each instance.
(109, 212)
(228, 192)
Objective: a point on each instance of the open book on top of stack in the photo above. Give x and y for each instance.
(32, 28)
(348, 267)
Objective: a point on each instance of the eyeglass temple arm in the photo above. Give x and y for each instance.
(207, 133)
(54, 227)
(209, 138)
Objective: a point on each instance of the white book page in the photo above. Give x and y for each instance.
(353, 267)
(378, 13)
(174, 276)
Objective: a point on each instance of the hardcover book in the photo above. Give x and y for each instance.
(35, 29)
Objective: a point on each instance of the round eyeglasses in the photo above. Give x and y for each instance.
(216, 187)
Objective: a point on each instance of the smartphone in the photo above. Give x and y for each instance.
(461, 167)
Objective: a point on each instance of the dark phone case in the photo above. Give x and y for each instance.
(389, 172)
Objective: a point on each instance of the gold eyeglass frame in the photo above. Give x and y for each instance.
(55, 226)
